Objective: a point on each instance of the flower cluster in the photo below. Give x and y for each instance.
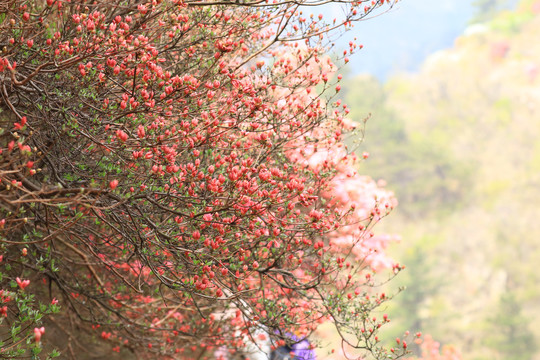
(175, 173)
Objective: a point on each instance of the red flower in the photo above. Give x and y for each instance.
(113, 184)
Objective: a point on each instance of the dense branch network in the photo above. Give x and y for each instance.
(173, 174)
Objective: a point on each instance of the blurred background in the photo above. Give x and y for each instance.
(453, 89)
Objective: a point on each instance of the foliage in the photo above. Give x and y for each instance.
(173, 172)
(24, 316)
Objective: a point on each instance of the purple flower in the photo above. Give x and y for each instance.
(303, 351)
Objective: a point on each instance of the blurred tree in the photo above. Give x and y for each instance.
(411, 310)
(510, 335)
(488, 9)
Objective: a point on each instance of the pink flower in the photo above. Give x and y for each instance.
(22, 283)
(121, 135)
(38, 332)
(316, 215)
(140, 131)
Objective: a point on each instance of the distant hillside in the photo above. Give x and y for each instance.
(459, 144)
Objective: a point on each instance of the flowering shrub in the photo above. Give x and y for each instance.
(24, 316)
(173, 173)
